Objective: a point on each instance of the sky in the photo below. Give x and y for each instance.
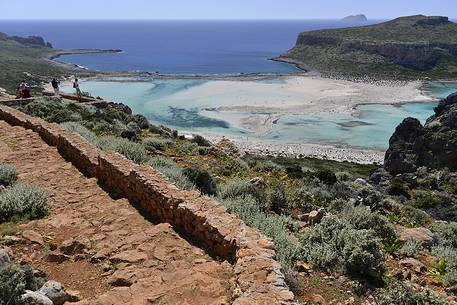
(221, 9)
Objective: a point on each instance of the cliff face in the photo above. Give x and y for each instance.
(433, 145)
(418, 43)
(31, 40)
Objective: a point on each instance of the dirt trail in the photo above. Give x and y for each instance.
(126, 259)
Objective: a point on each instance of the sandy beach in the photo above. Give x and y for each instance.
(256, 105)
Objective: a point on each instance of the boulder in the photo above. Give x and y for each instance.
(33, 236)
(55, 292)
(433, 145)
(72, 247)
(423, 235)
(35, 298)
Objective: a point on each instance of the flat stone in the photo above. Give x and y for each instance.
(33, 236)
(130, 256)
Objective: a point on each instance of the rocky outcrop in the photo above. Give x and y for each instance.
(31, 40)
(433, 145)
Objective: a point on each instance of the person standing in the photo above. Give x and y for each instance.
(55, 85)
(76, 87)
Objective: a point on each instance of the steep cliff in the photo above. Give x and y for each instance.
(407, 47)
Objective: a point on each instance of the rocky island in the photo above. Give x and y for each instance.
(355, 18)
(405, 48)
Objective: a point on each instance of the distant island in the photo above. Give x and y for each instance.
(414, 47)
(355, 18)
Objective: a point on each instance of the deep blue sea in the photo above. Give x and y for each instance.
(189, 47)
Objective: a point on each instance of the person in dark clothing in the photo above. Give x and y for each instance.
(55, 85)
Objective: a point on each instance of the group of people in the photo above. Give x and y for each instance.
(24, 90)
(55, 85)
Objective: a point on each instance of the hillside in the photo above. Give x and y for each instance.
(407, 47)
(27, 59)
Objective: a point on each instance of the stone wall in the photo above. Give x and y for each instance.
(258, 275)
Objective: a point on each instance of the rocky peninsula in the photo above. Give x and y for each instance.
(405, 48)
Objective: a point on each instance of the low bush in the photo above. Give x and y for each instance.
(157, 143)
(449, 257)
(275, 227)
(267, 166)
(81, 130)
(172, 171)
(201, 141)
(335, 244)
(362, 218)
(446, 233)
(237, 188)
(401, 293)
(14, 281)
(51, 111)
(278, 198)
(202, 179)
(8, 174)
(135, 152)
(188, 148)
(23, 201)
(326, 176)
(411, 248)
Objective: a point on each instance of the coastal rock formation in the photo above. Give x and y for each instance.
(355, 18)
(433, 145)
(31, 40)
(406, 45)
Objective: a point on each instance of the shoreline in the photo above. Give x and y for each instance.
(334, 152)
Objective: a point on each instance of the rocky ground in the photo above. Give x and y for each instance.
(102, 247)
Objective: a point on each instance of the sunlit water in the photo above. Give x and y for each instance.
(158, 101)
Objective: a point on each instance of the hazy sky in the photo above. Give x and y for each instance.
(220, 9)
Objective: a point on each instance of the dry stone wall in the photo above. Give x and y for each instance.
(258, 275)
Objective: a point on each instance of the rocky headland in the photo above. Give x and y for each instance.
(407, 47)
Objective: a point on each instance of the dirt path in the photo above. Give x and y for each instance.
(115, 256)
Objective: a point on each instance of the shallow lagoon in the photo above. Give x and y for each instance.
(165, 102)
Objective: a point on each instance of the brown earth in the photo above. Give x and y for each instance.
(109, 252)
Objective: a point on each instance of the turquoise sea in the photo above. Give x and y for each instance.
(158, 101)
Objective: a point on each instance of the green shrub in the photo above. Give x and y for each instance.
(238, 188)
(201, 141)
(295, 172)
(411, 247)
(275, 227)
(336, 244)
(81, 130)
(51, 111)
(427, 199)
(22, 200)
(401, 293)
(449, 257)
(446, 233)
(172, 171)
(362, 218)
(398, 188)
(14, 280)
(202, 180)
(157, 143)
(326, 176)
(133, 151)
(8, 174)
(188, 148)
(278, 198)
